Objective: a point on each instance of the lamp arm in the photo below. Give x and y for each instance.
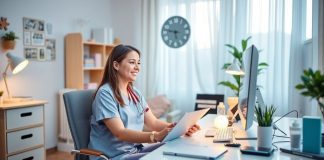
(4, 74)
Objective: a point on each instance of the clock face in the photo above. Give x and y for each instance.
(175, 32)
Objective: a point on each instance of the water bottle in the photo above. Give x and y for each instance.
(295, 136)
(221, 109)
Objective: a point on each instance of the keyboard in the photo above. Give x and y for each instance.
(223, 135)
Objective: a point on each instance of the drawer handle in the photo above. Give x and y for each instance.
(26, 114)
(26, 136)
(29, 158)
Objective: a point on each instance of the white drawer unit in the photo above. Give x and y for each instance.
(36, 154)
(22, 135)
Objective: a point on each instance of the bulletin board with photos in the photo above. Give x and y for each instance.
(36, 46)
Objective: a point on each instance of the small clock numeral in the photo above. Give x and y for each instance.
(180, 21)
(186, 31)
(175, 44)
(180, 41)
(165, 32)
(170, 42)
(176, 20)
(185, 25)
(166, 38)
(166, 26)
(170, 22)
(184, 37)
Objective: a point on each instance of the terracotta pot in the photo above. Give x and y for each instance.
(7, 44)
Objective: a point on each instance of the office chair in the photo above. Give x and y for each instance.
(208, 101)
(78, 105)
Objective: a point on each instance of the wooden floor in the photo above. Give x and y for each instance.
(58, 155)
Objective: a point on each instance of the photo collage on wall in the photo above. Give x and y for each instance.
(36, 46)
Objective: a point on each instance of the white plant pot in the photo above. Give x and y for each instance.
(265, 137)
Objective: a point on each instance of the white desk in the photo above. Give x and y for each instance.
(232, 153)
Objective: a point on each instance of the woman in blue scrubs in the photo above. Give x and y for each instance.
(119, 111)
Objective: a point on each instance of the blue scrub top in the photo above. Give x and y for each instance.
(105, 106)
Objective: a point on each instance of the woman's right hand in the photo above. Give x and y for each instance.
(159, 136)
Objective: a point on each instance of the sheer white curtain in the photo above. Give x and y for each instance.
(196, 67)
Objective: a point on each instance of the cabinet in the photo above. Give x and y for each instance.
(22, 134)
(79, 74)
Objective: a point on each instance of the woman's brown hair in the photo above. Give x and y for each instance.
(110, 74)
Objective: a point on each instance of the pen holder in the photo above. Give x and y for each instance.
(265, 137)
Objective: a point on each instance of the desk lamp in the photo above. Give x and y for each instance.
(16, 64)
(235, 69)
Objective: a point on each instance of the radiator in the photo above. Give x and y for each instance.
(65, 141)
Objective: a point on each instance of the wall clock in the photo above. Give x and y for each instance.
(175, 32)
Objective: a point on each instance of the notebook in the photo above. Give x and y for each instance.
(196, 151)
(188, 120)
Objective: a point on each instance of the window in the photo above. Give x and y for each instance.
(309, 6)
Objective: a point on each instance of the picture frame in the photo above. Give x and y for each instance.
(30, 24)
(50, 46)
(37, 39)
(41, 54)
(34, 32)
(31, 53)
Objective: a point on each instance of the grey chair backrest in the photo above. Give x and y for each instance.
(78, 105)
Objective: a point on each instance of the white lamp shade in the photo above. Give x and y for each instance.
(16, 64)
(234, 69)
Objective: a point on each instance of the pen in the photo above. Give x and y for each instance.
(187, 155)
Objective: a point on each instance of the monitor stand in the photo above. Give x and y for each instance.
(241, 134)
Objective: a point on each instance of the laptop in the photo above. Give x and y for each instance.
(188, 120)
(195, 151)
(304, 154)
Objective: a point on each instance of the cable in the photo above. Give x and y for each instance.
(275, 127)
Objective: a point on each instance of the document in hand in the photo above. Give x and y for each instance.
(188, 120)
(197, 151)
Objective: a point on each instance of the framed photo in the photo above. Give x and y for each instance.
(34, 32)
(50, 46)
(33, 24)
(41, 54)
(37, 39)
(27, 40)
(31, 53)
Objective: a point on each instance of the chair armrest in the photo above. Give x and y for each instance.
(90, 152)
(174, 115)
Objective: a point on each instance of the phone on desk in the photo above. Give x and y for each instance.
(257, 150)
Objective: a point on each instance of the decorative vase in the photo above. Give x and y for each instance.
(8, 44)
(265, 137)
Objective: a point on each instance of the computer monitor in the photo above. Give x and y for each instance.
(247, 94)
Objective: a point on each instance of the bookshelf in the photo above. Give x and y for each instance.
(84, 61)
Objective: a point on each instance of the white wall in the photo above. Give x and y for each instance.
(42, 80)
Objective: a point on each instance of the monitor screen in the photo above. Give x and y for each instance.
(248, 88)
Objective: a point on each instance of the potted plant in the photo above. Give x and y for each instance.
(8, 40)
(238, 56)
(264, 119)
(313, 86)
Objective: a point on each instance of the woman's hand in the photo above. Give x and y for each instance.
(193, 129)
(159, 136)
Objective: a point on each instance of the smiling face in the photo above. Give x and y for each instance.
(128, 68)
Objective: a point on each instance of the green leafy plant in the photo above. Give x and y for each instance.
(9, 36)
(313, 86)
(238, 55)
(265, 116)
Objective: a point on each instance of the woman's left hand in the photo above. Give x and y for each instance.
(193, 129)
